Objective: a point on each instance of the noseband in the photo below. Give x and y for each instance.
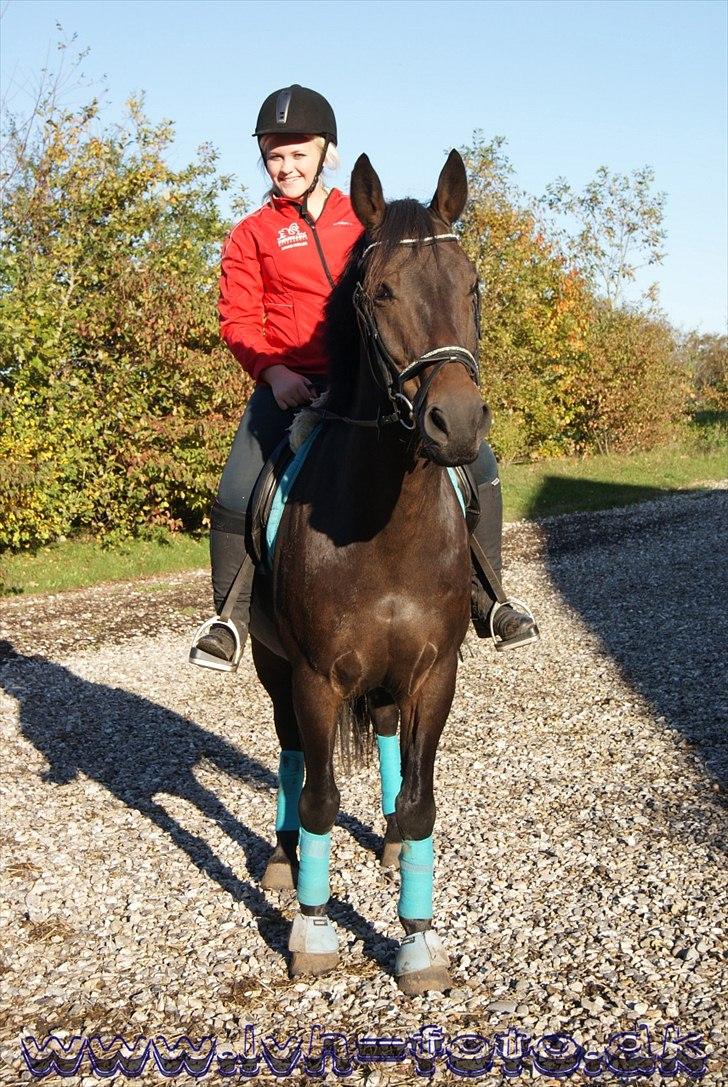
(383, 368)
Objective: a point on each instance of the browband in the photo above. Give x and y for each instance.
(414, 241)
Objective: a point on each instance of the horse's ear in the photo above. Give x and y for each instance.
(367, 197)
(451, 195)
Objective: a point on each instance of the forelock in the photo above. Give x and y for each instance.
(402, 219)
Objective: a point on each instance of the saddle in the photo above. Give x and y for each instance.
(261, 500)
(279, 472)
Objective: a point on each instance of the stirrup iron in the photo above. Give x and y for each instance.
(209, 660)
(511, 601)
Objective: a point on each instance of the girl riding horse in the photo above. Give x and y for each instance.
(279, 267)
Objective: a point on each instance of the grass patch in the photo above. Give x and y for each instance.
(75, 564)
(529, 490)
(602, 482)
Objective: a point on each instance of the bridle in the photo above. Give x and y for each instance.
(387, 377)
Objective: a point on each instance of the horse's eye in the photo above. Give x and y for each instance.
(383, 293)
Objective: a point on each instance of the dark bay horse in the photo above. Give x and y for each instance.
(371, 578)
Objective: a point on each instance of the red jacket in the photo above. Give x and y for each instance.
(273, 286)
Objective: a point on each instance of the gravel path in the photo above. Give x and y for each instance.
(580, 880)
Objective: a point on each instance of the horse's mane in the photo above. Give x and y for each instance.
(402, 219)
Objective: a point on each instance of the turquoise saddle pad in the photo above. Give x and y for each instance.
(288, 478)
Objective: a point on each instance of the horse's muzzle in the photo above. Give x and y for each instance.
(453, 428)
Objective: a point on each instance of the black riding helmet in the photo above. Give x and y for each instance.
(299, 111)
(296, 109)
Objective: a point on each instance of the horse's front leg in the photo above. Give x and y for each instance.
(313, 942)
(421, 962)
(385, 716)
(274, 673)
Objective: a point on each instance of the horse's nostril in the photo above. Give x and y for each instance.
(438, 420)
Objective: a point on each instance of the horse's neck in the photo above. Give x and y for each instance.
(386, 458)
(366, 399)
(381, 488)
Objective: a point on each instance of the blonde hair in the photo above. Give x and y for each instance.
(331, 162)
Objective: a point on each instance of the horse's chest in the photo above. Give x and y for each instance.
(352, 556)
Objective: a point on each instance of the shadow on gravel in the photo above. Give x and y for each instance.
(652, 584)
(562, 494)
(137, 749)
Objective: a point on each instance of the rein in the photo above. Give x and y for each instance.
(383, 368)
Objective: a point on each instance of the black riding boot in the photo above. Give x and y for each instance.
(227, 552)
(511, 628)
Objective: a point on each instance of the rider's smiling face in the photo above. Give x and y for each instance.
(292, 165)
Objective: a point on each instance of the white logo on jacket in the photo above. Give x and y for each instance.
(291, 237)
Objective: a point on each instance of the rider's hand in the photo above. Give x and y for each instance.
(289, 388)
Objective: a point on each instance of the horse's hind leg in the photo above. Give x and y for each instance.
(275, 675)
(313, 942)
(421, 963)
(385, 716)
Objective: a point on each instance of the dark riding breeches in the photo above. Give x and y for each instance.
(489, 529)
(261, 429)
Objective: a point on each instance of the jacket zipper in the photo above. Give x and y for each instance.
(308, 219)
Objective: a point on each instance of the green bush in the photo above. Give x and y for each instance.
(118, 398)
(632, 393)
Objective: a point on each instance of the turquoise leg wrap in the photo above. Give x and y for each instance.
(416, 862)
(290, 783)
(314, 851)
(390, 771)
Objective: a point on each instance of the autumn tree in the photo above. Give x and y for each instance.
(534, 310)
(565, 367)
(610, 230)
(705, 357)
(117, 397)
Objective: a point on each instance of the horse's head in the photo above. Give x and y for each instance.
(417, 303)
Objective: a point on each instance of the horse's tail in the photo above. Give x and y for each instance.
(356, 733)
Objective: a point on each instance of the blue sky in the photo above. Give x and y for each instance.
(571, 85)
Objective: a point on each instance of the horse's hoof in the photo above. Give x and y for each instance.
(436, 979)
(313, 944)
(313, 965)
(278, 876)
(390, 854)
(422, 964)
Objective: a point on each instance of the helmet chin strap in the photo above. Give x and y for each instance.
(314, 183)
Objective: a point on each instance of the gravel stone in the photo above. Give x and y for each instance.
(580, 879)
